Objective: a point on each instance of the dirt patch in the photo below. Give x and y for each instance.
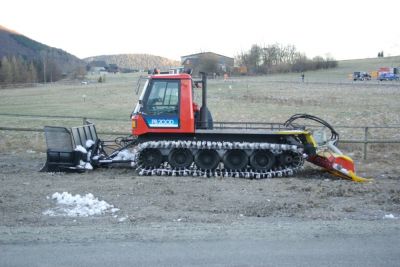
(311, 194)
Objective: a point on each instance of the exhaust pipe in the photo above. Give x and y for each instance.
(203, 109)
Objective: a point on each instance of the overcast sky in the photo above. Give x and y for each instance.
(172, 28)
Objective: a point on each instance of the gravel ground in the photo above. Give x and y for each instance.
(188, 207)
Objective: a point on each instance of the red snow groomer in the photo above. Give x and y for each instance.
(172, 136)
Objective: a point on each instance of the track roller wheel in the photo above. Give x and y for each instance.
(262, 160)
(288, 158)
(207, 159)
(180, 158)
(235, 159)
(150, 157)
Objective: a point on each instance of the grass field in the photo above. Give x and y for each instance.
(344, 69)
(326, 93)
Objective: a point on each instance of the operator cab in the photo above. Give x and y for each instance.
(166, 106)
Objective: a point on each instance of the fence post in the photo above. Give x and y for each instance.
(365, 142)
(84, 121)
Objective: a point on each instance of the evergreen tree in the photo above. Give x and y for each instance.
(6, 75)
(23, 70)
(15, 70)
(32, 73)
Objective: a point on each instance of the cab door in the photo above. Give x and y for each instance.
(161, 107)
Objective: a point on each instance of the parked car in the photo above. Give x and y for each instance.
(361, 76)
(388, 77)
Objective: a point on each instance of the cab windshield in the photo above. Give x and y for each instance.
(162, 98)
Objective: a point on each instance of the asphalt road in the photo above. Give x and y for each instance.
(373, 250)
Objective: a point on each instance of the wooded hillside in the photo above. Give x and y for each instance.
(20, 55)
(136, 61)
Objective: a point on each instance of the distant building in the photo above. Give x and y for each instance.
(112, 68)
(224, 64)
(98, 66)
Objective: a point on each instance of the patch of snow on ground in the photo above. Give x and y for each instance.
(78, 206)
(122, 219)
(389, 216)
(88, 166)
(85, 165)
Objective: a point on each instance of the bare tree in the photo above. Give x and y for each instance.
(279, 58)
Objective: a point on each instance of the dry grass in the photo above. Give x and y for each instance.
(239, 99)
(257, 99)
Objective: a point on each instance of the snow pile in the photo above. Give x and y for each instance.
(78, 206)
(81, 149)
(125, 155)
(389, 216)
(89, 143)
(84, 164)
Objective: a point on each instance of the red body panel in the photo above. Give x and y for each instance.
(186, 114)
(328, 161)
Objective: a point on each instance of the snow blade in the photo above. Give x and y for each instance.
(61, 157)
(79, 149)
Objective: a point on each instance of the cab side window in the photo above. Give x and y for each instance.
(163, 98)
